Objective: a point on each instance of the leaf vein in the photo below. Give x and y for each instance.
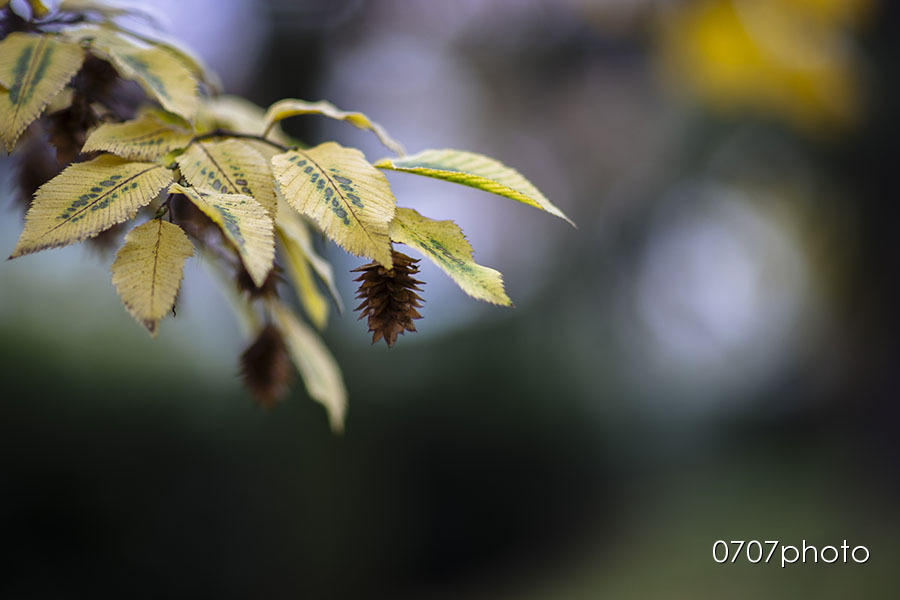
(155, 262)
(99, 198)
(337, 191)
(235, 189)
(29, 74)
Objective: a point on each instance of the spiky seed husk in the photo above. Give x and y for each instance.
(266, 366)
(389, 297)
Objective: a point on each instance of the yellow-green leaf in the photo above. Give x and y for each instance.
(144, 138)
(229, 167)
(87, 198)
(292, 107)
(33, 69)
(445, 245)
(244, 222)
(293, 226)
(342, 193)
(159, 72)
(313, 301)
(39, 8)
(232, 113)
(301, 261)
(61, 101)
(191, 60)
(320, 372)
(474, 170)
(148, 269)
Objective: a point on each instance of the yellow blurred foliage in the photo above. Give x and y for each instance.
(792, 58)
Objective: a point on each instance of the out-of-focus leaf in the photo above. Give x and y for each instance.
(111, 9)
(33, 70)
(249, 320)
(316, 365)
(445, 245)
(340, 191)
(233, 113)
(61, 101)
(148, 269)
(180, 51)
(244, 221)
(474, 170)
(314, 302)
(87, 198)
(291, 107)
(293, 226)
(789, 59)
(39, 9)
(161, 74)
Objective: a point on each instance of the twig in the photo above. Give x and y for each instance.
(235, 134)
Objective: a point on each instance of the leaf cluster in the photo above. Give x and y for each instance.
(215, 175)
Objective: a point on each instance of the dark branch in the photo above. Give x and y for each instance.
(234, 134)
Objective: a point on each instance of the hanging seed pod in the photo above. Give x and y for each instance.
(266, 366)
(389, 297)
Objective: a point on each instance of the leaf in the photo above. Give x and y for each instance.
(87, 198)
(316, 365)
(302, 261)
(229, 167)
(61, 101)
(292, 226)
(188, 57)
(111, 9)
(341, 192)
(29, 9)
(291, 107)
(248, 319)
(244, 222)
(39, 8)
(160, 73)
(232, 113)
(445, 245)
(313, 301)
(144, 138)
(474, 170)
(148, 269)
(33, 69)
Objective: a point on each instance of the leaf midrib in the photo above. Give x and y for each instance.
(100, 197)
(338, 192)
(219, 169)
(29, 74)
(155, 263)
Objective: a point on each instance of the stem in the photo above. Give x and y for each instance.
(235, 134)
(164, 208)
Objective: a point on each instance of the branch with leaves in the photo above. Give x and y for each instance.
(216, 175)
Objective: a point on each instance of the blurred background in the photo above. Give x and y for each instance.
(711, 355)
